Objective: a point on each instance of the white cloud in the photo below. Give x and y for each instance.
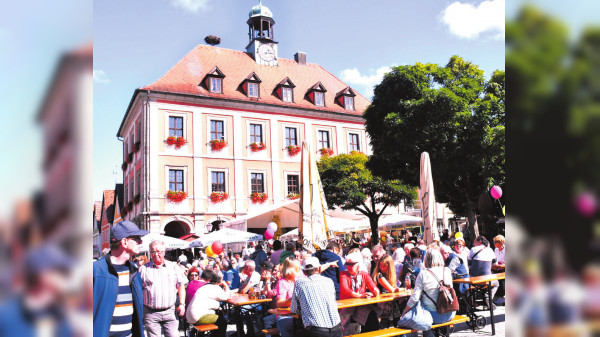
(191, 5)
(100, 77)
(367, 82)
(468, 21)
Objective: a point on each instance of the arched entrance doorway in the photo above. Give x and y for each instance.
(176, 229)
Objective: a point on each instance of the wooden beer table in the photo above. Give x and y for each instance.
(480, 280)
(237, 301)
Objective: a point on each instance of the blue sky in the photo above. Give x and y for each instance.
(357, 41)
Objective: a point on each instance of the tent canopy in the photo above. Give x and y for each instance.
(170, 242)
(226, 235)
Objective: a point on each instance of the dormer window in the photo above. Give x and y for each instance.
(285, 90)
(316, 94)
(213, 81)
(251, 86)
(345, 98)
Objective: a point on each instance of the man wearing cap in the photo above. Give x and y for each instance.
(164, 282)
(330, 258)
(354, 283)
(118, 301)
(314, 299)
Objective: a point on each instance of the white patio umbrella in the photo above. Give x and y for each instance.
(291, 235)
(313, 223)
(427, 196)
(226, 235)
(398, 221)
(171, 243)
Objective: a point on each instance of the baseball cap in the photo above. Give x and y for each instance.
(354, 258)
(310, 262)
(48, 257)
(125, 229)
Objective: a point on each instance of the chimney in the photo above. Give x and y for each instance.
(300, 57)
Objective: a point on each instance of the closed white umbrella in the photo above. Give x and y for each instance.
(171, 243)
(427, 196)
(313, 224)
(226, 235)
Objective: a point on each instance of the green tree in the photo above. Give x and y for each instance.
(350, 185)
(452, 113)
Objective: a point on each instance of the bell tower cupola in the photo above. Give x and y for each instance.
(262, 46)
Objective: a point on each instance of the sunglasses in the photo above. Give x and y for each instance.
(137, 239)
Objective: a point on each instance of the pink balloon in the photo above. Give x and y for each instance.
(586, 204)
(268, 235)
(496, 192)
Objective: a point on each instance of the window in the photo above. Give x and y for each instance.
(215, 85)
(349, 102)
(139, 182)
(323, 139)
(256, 133)
(252, 89)
(293, 185)
(287, 94)
(175, 126)
(319, 98)
(290, 137)
(257, 183)
(216, 130)
(176, 180)
(353, 142)
(138, 135)
(125, 194)
(218, 181)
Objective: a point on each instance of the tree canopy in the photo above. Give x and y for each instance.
(350, 185)
(452, 113)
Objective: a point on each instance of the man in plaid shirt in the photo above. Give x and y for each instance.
(314, 299)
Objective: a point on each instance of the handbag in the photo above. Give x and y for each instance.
(447, 300)
(417, 318)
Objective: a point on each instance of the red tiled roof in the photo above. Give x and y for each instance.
(97, 209)
(187, 74)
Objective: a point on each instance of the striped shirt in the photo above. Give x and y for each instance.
(160, 284)
(314, 299)
(120, 325)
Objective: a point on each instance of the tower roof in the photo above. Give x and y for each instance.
(260, 10)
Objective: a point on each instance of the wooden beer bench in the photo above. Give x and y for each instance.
(400, 331)
(205, 327)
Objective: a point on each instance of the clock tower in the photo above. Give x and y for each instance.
(262, 47)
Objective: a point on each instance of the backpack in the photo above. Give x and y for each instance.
(447, 300)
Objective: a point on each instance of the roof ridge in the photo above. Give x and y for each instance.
(347, 86)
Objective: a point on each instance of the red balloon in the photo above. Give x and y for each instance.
(268, 235)
(217, 247)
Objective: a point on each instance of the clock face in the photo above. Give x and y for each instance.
(266, 52)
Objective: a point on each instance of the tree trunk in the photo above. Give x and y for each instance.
(374, 221)
(473, 228)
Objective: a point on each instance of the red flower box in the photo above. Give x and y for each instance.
(123, 212)
(136, 199)
(293, 150)
(176, 141)
(137, 146)
(258, 198)
(255, 147)
(176, 196)
(124, 166)
(130, 157)
(217, 144)
(293, 196)
(326, 151)
(129, 206)
(216, 197)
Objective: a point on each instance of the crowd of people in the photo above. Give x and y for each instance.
(133, 294)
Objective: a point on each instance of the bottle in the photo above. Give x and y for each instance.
(407, 282)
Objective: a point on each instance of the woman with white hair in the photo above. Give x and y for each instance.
(427, 282)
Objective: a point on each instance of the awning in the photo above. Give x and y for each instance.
(226, 235)
(170, 242)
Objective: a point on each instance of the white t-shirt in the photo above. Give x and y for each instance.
(399, 255)
(254, 279)
(205, 302)
(486, 254)
(500, 258)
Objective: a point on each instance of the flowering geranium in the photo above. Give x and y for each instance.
(124, 212)
(136, 199)
(137, 146)
(176, 141)
(216, 197)
(293, 150)
(130, 206)
(293, 196)
(176, 196)
(258, 198)
(326, 151)
(130, 157)
(124, 166)
(217, 144)
(257, 146)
